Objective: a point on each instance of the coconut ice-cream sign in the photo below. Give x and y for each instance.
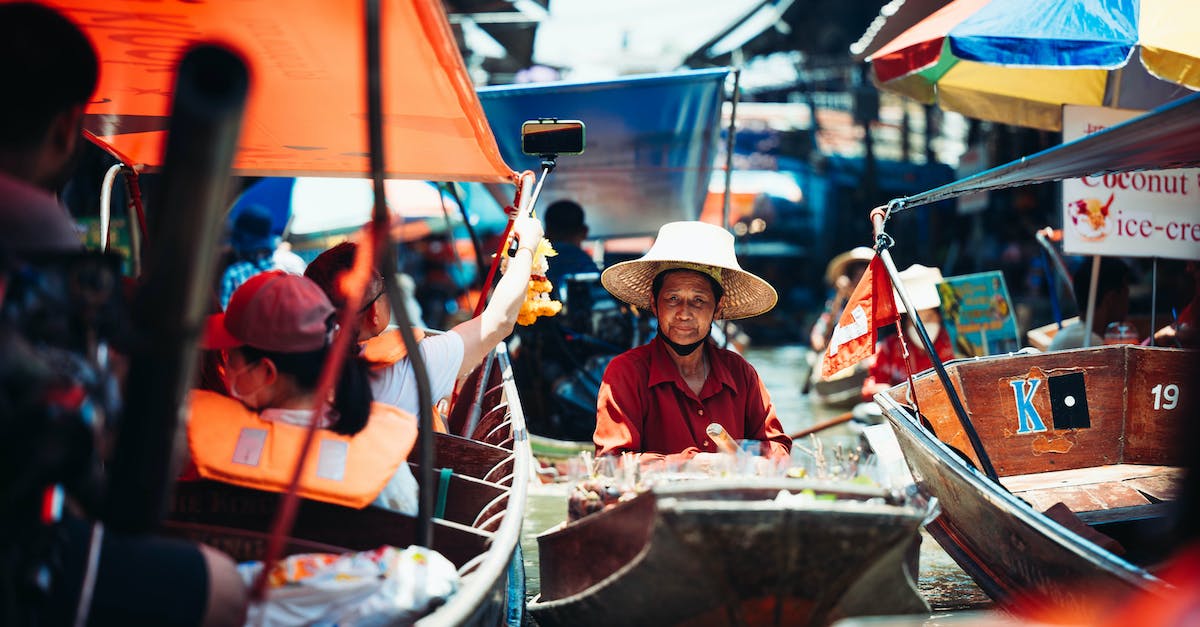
(1128, 214)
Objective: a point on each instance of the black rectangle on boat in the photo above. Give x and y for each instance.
(1068, 401)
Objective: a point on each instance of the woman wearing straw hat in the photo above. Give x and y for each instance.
(656, 400)
(889, 366)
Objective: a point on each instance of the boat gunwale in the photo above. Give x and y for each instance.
(465, 604)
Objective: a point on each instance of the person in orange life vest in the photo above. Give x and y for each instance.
(888, 366)
(275, 335)
(657, 399)
(448, 356)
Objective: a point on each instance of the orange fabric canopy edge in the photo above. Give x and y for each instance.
(306, 113)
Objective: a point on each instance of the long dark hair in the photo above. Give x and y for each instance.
(352, 398)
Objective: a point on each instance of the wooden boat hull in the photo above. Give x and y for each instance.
(841, 391)
(718, 552)
(1018, 555)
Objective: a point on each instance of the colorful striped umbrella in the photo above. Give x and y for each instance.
(1019, 61)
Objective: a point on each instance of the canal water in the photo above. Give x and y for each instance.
(943, 584)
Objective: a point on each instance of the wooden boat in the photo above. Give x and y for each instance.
(843, 390)
(477, 526)
(1090, 434)
(718, 552)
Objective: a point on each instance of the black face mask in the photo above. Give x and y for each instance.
(683, 350)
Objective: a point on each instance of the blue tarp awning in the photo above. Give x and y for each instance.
(651, 141)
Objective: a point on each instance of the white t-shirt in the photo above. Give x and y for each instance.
(397, 386)
(400, 492)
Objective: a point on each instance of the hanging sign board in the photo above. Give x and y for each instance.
(978, 314)
(1128, 214)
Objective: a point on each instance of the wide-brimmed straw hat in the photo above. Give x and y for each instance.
(921, 284)
(837, 265)
(698, 246)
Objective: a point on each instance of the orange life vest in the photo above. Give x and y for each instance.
(386, 349)
(233, 444)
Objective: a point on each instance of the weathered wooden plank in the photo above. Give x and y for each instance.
(464, 456)
(1160, 487)
(1085, 498)
(1123, 514)
(221, 505)
(1162, 398)
(1097, 474)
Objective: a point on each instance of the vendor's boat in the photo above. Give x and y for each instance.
(1085, 445)
(1057, 472)
(721, 552)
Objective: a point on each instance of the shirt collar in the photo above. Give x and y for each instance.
(664, 370)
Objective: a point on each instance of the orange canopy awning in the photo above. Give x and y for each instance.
(306, 113)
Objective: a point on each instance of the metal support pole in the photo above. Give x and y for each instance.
(110, 177)
(883, 241)
(547, 168)
(1091, 304)
(1153, 297)
(729, 143)
(729, 137)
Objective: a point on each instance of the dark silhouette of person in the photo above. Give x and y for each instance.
(566, 230)
(61, 566)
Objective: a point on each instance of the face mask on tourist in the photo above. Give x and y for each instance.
(230, 379)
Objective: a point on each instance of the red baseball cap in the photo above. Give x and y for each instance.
(273, 311)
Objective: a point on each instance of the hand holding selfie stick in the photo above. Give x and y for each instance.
(546, 138)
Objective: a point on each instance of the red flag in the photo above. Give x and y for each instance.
(870, 307)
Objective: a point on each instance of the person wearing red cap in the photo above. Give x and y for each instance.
(275, 335)
(448, 356)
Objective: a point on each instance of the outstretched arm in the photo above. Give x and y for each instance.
(482, 333)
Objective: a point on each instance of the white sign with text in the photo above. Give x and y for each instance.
(1128, 214)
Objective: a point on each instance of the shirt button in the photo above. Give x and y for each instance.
(701, 412)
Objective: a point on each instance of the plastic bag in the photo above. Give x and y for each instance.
(377, 587)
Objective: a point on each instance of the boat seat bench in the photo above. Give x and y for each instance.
(1102, 493)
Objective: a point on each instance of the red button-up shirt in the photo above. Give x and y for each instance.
(646, 407)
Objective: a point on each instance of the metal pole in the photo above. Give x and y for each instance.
(547, 168)
(1153, 297)
(729, 142)
(883, 241)
(110, 177)
(1091, 305)
(729, 137)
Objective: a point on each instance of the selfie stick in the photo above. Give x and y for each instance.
(548, 164)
